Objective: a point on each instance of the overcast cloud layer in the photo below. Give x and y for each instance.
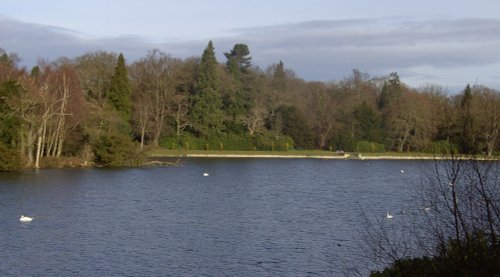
(448, 52)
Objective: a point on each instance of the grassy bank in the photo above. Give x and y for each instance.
(318, 154)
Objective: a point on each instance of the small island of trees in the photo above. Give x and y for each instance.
(96, 109)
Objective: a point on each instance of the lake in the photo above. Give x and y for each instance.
(249, 217)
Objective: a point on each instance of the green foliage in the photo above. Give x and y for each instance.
(9, 60)
(368, 123)
(278, 81)
(296, 126)
(9, 158)
(457, 258)
(369, 146)
(207, 111)
(343, 141)
(116, 150)
(390, 91)
(186, 142)
(238, 60)
(9, 122)
(442, 147)
(119, 93)
(268, 141)
(228, 141)
(467, 140)
(236, 99)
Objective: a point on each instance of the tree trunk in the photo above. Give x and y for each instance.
(40, 142)
(403, 140)
(143, 131)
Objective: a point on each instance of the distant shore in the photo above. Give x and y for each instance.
(162, 153)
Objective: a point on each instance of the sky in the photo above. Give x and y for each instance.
(448, 43)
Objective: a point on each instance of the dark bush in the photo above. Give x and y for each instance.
(464, 258)
(116, 150)
(10, 159)
(369, 146)
(230, 142)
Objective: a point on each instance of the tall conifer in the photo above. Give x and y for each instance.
(119, 93)
(207, 110)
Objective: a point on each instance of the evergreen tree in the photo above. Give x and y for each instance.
(236, 102)
(238, 60)
(467, 140)
(295, 125)
(278, 81)
(119, 93)
(390, 91)
(9, 122)
(9, 128)
(368, 123)
(207, 111)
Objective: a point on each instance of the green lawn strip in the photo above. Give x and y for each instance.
(170, 153)
(159, 152)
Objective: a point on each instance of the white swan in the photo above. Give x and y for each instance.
(388, 216)
(206, 174)
(25, 218)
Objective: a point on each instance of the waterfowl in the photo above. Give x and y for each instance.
(206, 174)
(388, 216)
(25, 218)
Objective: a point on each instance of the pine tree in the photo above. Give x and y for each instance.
(278, 81)
(207, 110)
(236, 102)
(119, 93)
(390, 91)
(238, 60)
(467, 141)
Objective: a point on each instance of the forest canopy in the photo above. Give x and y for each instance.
(97, 108)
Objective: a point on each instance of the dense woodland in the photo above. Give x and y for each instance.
(97, 109)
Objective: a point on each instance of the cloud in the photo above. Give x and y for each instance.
(34, 41)
(379, 44)
(316, 50)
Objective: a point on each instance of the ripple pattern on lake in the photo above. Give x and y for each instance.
(250, 217)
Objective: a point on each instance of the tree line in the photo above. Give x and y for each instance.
(98, 109)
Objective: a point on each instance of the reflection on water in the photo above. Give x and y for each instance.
(249, 217)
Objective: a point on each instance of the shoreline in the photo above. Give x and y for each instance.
(308, 156)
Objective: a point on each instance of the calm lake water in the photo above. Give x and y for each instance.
(250, 217)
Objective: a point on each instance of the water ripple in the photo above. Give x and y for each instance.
(248, 218)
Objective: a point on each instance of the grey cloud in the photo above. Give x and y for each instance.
(34, 41)
(383, 44)
(316, 50)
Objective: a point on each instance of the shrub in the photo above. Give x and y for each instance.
(442, 147)
(457, 258)
(228, 141)
(10, 159)
(186, 142)
(116, 150)
(369, 146)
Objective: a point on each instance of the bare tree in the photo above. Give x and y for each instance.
(155, 87)
(486, 110)
(455, 216)
(179, 110)
(255, 118)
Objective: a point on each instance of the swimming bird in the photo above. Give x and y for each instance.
(388, 216)
(25, 218)
(427, 209)
(402, 171)
(206, 174)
